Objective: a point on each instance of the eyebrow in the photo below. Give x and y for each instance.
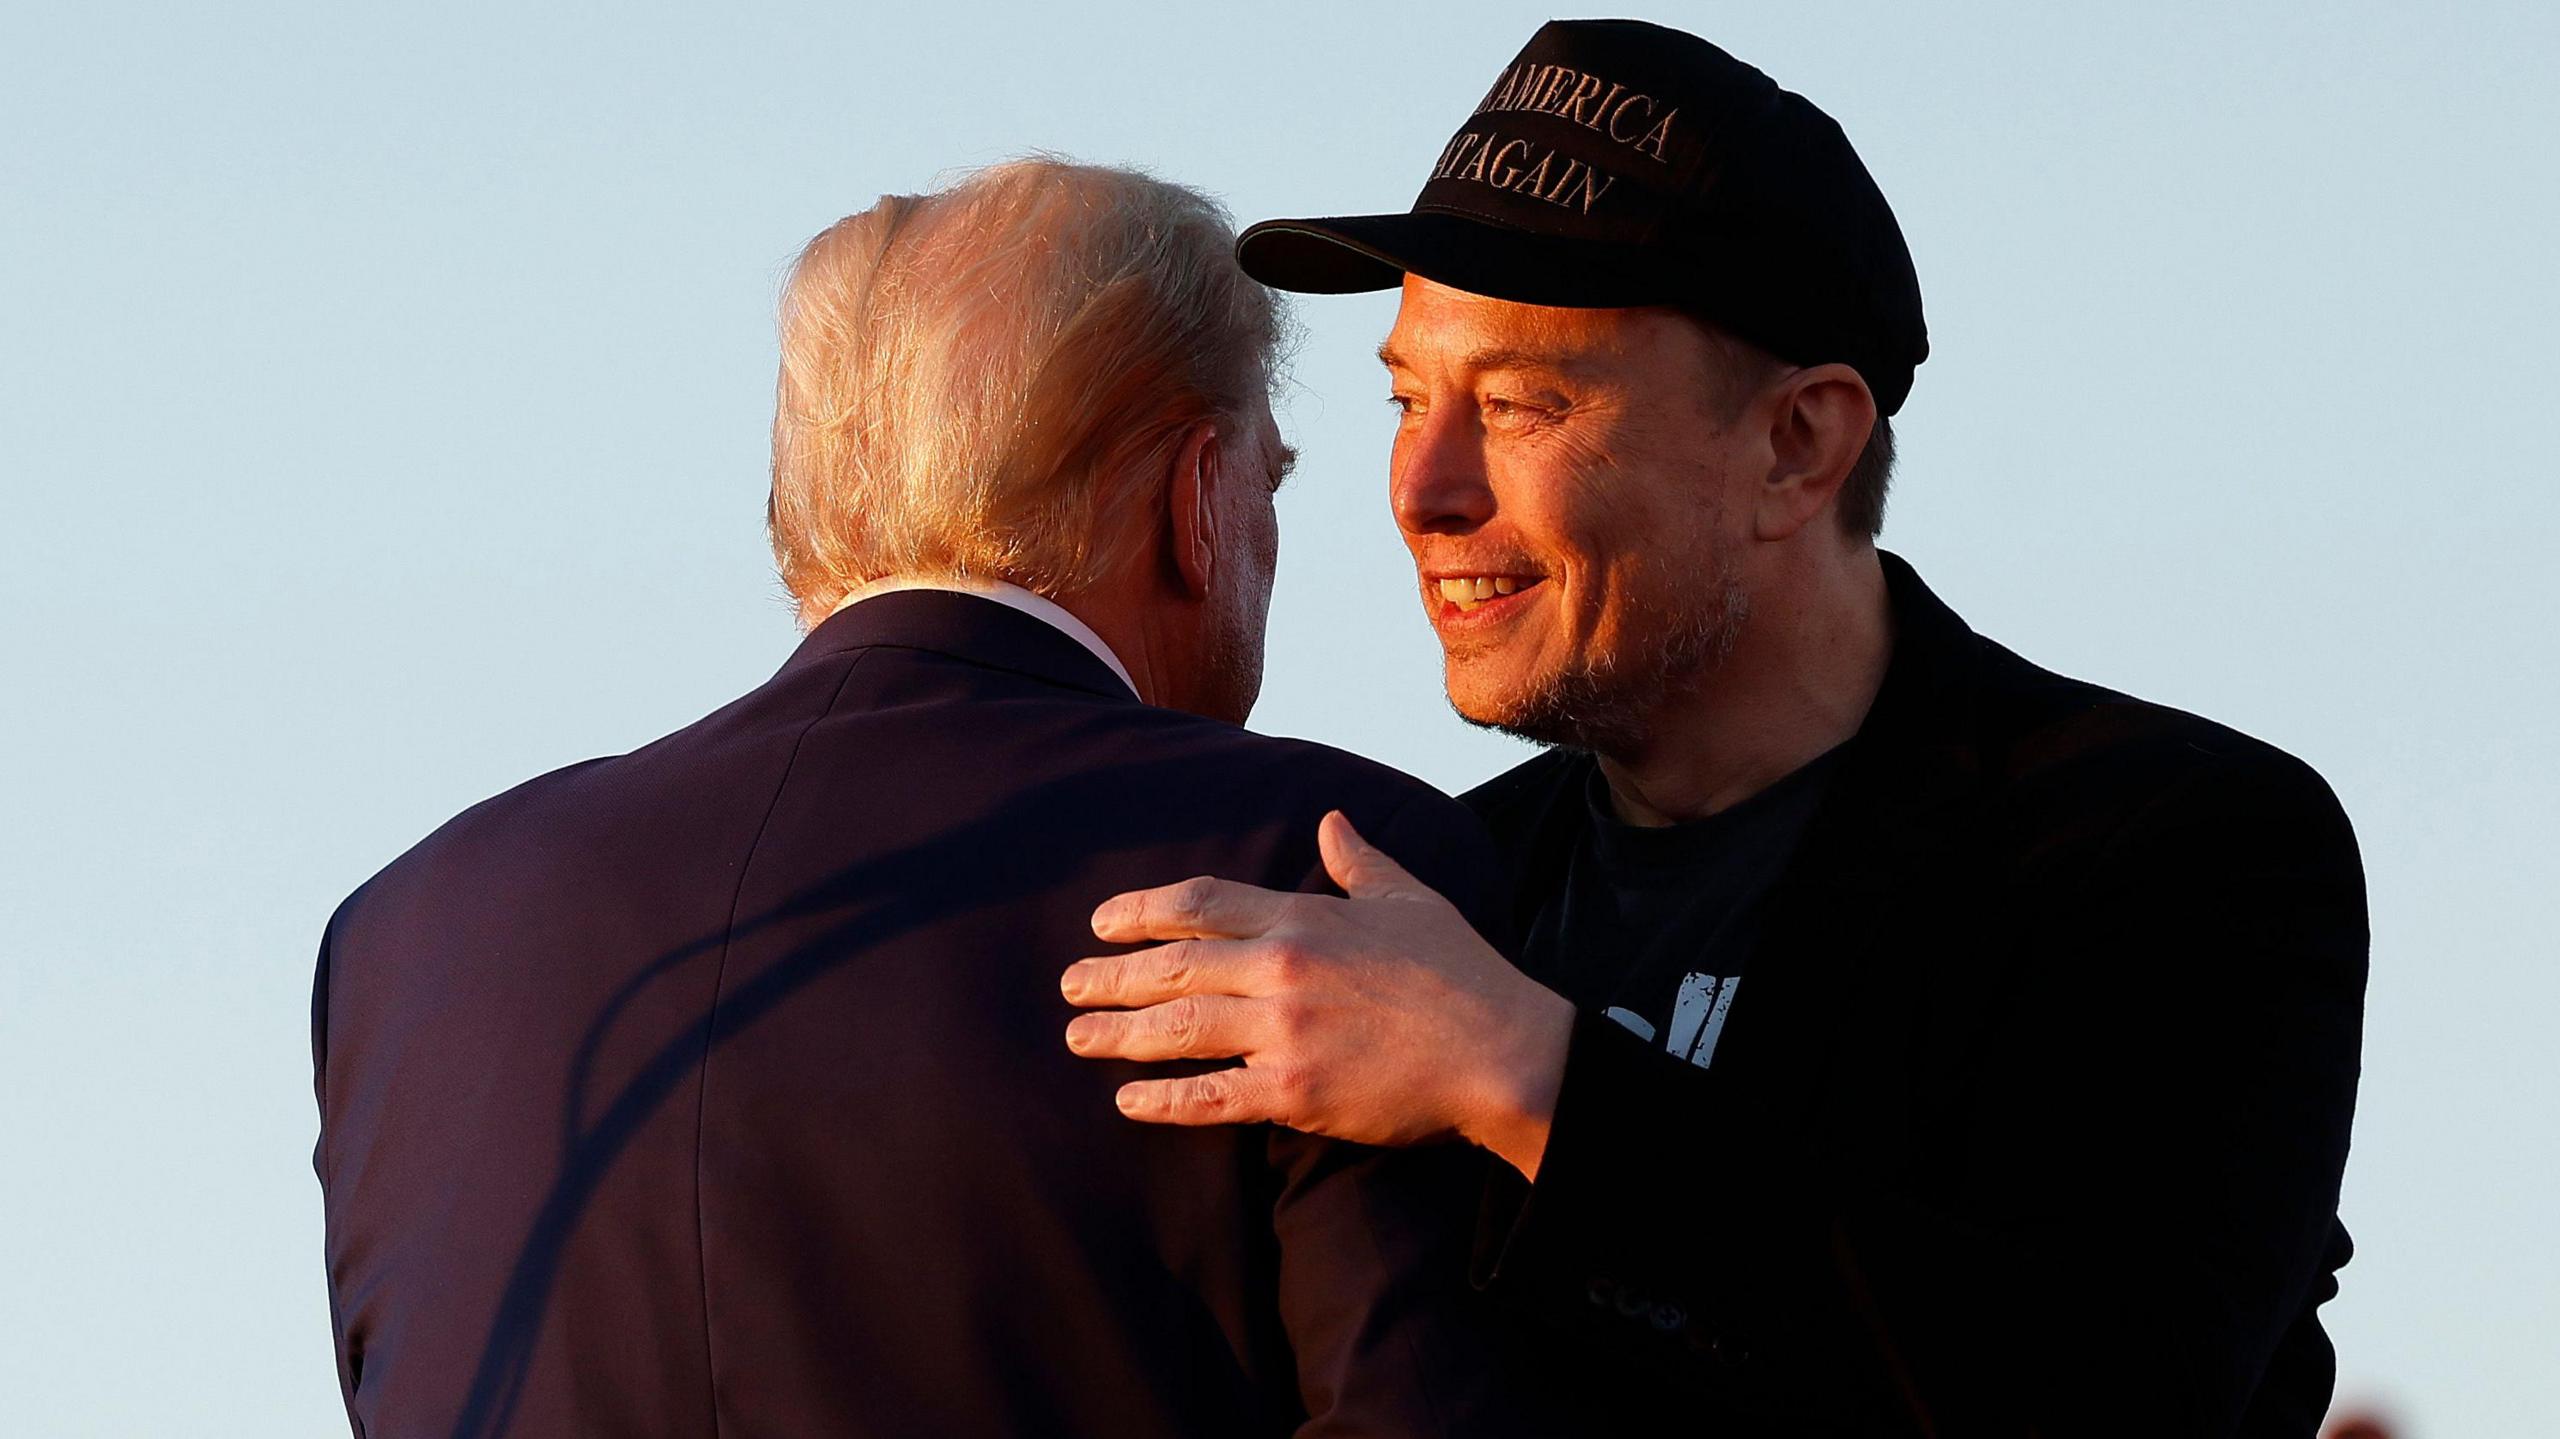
(1495, 357)
(1288, 464)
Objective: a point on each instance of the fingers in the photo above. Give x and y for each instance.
(1152, 976)
(1199, 1026)
(1222, 1096)
(1362, 869)
(1200, 908)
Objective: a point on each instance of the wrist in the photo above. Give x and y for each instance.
(1518, 1094)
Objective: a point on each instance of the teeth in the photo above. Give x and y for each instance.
(1470, 591)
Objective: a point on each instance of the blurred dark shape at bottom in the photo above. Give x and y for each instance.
(2362, 1423)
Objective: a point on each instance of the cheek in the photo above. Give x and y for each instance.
(1264, 546)
(1631, 564)
(1593, 533)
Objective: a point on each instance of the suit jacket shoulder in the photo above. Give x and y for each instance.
(2070, 768)
(721, 1085)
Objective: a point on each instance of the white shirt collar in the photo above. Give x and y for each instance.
(1012, 596)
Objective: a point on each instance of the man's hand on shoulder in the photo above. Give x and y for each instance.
(1381, 1018)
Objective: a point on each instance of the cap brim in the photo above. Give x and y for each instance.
(1348, 254)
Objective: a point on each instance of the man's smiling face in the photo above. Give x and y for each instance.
(1564, 479)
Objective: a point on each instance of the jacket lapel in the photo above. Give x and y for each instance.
(1843, 971)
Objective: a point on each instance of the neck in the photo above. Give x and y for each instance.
(1798, 681)
(1138, 646)
(1131, 622)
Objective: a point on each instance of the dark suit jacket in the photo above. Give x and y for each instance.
(2032, 1115)
(720, 1087)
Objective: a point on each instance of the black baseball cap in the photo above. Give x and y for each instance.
(1617, 162)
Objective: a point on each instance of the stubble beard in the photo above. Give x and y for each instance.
(1605, 703)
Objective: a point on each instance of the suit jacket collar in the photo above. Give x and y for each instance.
(966, 627)
(1917, 747)
(1886, 845)
(1882, 831)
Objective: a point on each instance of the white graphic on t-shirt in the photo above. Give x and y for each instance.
(1642, 1026)
(1697, 1017)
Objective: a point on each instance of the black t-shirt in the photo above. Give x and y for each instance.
(1655, 925)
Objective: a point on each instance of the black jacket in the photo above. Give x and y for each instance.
(2032, 1117)
(720, 1087)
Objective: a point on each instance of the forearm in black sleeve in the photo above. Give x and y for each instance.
(2128, 1202)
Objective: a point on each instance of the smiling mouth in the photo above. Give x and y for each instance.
(1467, 593)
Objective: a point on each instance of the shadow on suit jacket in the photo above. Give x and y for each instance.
(720, 1088)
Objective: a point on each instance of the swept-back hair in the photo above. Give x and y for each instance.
(989, 381)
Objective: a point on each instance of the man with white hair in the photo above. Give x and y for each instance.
(712, 1088)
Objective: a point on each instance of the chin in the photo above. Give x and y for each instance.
(1512, 708)
(1479, 699)
(1587, 709)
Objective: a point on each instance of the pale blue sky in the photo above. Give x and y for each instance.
(382, 413)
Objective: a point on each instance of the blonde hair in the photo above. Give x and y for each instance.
(979, 382)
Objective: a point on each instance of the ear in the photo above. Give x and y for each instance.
(1192, 500)
(1818, 424)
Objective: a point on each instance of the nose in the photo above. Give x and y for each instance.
(1436, 478)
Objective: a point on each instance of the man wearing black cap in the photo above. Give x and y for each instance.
(2033, 1118)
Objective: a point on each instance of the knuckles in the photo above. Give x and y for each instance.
(1174, 965)
(1180, 1021)
(1292, 1021)
(1293, 1085)
(1188, 902)
(1212, 1095)
(1287, 964)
